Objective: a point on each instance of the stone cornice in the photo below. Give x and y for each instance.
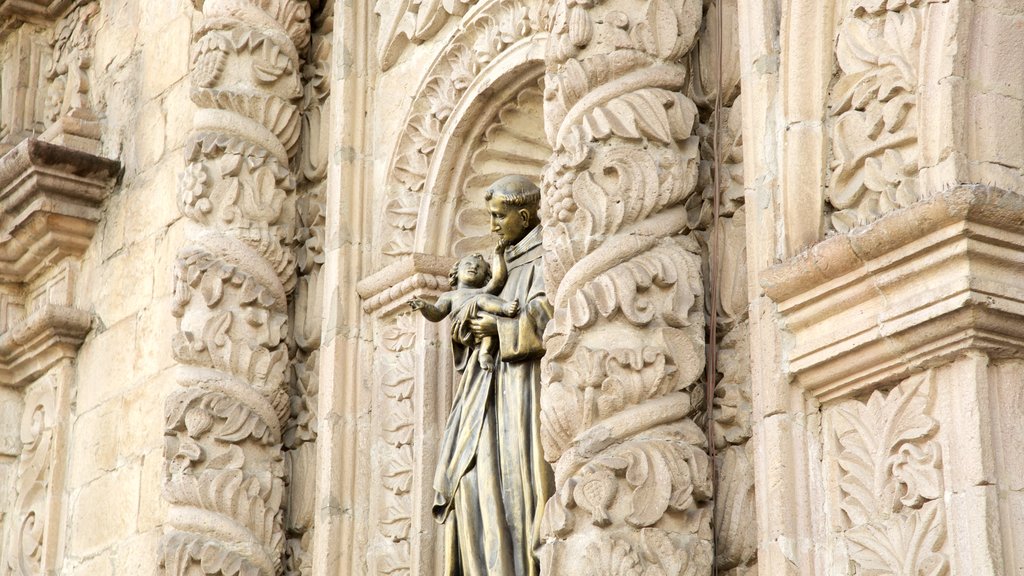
(911, 290)
(40, 341)
(420, 273)
(50, 198)
(32, 10)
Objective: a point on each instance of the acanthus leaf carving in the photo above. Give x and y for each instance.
(874, 107)
(889, 471)
(227, 423)
(618, 420)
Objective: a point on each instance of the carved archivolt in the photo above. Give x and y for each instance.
(626, 345)
(224, 467)
(486, 47)
(888, 470)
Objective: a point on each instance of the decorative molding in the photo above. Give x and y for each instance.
(913, 289)
(224, 464)
(410, 275)
(625, 348)
(405, 22)
(494, 29)
(13, 12)
(888, 481)
(50, 198)
(24, 62)
(407, 370)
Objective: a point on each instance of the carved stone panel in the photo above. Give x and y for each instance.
(887, 514)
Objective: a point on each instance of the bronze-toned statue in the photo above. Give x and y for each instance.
(492, 480)
(474, 286)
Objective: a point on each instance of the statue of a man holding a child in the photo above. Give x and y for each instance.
(492, 480)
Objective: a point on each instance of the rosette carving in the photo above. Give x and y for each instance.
(224, 465)
(625, 348)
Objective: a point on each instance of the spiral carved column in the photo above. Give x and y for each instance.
(625, 350)
(224, 470)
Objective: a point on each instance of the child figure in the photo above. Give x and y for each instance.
(475, 283)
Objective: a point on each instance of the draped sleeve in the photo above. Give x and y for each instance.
(521, 338)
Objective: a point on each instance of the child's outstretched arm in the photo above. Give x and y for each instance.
(499, 270)
(433, 312)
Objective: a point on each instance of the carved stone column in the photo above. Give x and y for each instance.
(224, 469)
(625, 349)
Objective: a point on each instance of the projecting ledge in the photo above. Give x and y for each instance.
(912, 290)
(50, 198)
(40, 341)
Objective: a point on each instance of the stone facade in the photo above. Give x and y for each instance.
(214, 213)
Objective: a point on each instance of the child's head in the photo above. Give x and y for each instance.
(471, 270)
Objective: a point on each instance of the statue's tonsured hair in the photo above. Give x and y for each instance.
(517, 191)
(453, 274)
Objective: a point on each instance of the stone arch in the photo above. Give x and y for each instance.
(505, 101)
(480, 76)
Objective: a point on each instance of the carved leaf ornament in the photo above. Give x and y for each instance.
(891, 482)
(625, 347)
(874, 104)
(491, 31)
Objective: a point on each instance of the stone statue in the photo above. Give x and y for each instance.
(492, 480)
(475, 284)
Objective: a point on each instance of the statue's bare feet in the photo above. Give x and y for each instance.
(510, 308)
(486, 361)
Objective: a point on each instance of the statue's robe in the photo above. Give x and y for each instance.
(492, 480)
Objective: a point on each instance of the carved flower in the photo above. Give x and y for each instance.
(193, 190)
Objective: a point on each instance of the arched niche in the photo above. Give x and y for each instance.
(476, 115)
(498, 129)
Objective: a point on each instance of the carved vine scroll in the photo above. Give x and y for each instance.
(307, 299)
(224, 467)
(625, 348)
(874, 111)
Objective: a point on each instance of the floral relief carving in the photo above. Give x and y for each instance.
(29, 517)
(225, 424)
(405, 22)
(492, 30)
(306, 316)
(626, 344)
(874, 111)
(395, 371)
(889, 469)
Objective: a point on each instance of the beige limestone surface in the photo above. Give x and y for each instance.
(213, 214)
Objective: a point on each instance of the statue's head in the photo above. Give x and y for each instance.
(472, 271)
(513, 202)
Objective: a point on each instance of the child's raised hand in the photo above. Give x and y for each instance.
(417, 304)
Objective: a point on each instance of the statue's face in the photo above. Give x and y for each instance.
(509, 223)
(473, 270)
